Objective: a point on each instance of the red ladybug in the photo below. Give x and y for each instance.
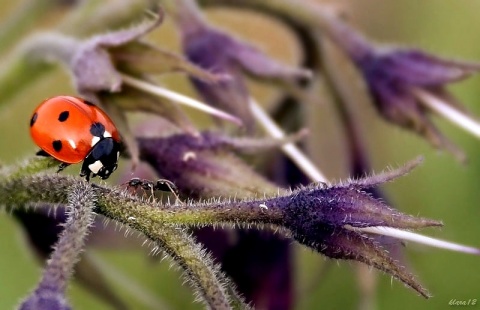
(72, 130)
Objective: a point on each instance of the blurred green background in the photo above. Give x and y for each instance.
(441, 188)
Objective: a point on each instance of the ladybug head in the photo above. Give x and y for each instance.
(102, 159)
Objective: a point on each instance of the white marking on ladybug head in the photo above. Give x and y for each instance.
(95, 140)
(95, 167)
(72, 143)
(106, 134)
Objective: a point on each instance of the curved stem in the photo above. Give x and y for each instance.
(199, 269)
(51, 289)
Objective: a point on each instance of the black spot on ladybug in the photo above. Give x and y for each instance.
(57, 145)
(63, 116)
(97, 129)
(34, 119)
(89, 103)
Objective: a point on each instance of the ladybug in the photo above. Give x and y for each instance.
(72, 130)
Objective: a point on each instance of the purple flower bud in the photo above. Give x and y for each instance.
(92, 66)
(322, 217)
(219, 52)
(394, 74)
(204, 165)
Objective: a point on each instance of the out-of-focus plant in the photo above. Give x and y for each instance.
(216, 185)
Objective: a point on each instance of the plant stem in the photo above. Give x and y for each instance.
(179, 98)
(445, 110)
(290, 149)
(410, 236)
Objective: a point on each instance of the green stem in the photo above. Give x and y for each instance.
(307, 13)
(138, 213)
(160, 223)
(200, 271)
(52, 287)
(29, 167)
(98, 16)
(81, 201)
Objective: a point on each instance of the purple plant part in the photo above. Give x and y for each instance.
(257, 261)
(43, 228)
(335, 220)
(319, 216)
(395, 75)
(205, 165)
(50, 292)
(219, 52)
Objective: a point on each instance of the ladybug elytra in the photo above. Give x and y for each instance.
(72, 130)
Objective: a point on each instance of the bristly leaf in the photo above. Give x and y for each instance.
(92, 66)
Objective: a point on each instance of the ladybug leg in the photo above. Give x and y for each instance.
(42, 153)
(62, 166)
(85, 173)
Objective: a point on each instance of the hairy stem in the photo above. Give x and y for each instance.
(199, 269)
(29, 167)
(123, 207)
(81, 201)
(50, 292)
(146, 217)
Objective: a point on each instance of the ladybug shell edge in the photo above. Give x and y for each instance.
(61, 126)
